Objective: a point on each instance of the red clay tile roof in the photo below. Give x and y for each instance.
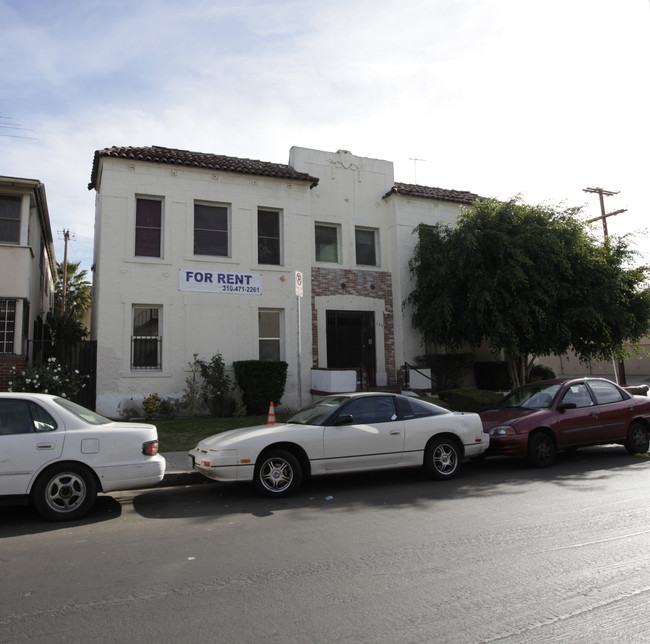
(440, 194)
(170, 156)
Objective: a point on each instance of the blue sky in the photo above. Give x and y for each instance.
(499, 97)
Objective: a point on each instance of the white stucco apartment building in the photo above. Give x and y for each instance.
(197, 253)
(27, 269)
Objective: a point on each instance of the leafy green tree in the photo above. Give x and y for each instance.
(66, 326)
(528, 281)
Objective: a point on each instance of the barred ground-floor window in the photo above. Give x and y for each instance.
(7, 325)
(146, 339)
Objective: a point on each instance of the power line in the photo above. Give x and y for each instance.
(9, 125)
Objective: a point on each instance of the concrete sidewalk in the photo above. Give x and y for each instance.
(179, 472)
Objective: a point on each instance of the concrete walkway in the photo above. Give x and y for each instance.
(179, 472)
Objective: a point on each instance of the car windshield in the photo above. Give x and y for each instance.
(530, 397)
(83, 413)
(316, 413)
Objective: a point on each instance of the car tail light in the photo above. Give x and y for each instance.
(150, 448)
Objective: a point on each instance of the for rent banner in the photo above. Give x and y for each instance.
(216, 282)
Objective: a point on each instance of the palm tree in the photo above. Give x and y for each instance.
(77, 291)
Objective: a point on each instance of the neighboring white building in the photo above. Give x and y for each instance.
(197, 254)
(27, 269)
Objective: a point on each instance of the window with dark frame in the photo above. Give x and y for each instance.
(210, 230)
(10, 219)
(366, 246)
(146, 339)
(7, 325)
(148, 228)
(268, 237)
(327, 243)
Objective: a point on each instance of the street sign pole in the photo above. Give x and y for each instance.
(299, 293)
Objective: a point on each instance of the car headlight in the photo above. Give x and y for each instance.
(502, 430)
(218, 458)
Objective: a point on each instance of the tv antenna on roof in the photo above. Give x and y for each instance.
(415, 168)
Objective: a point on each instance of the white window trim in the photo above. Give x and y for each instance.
(280, 214)
(216, 204)
(281, 339)
(146, 258)
(140, 369)
(339, 256)
(377, 263)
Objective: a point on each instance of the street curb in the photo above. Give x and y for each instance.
(175, 479)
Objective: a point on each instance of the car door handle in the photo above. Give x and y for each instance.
(594, 414)
(395, 432)
(45, 446)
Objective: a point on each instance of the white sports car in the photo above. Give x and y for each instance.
(60, 454)
(343, 433)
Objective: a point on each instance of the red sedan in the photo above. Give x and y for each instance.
(537, 420)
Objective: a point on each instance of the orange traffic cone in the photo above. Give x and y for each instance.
(271, 418)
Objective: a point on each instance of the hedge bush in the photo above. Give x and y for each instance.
(261, 382)
(476, 400)
(541, 372)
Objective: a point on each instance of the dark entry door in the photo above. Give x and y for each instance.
(351, 341)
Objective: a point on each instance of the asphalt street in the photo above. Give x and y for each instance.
(502, 553)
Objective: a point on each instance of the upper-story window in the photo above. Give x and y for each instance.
(10, 219)
(327, 243)
(365, 241)
(268, 237)
(211, 229)
(148, 227)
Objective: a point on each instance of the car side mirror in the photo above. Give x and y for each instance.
(566, 405)
(343, 419)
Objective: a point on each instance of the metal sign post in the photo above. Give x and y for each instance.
(299, 293)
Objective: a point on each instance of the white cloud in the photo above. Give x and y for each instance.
(497, 96)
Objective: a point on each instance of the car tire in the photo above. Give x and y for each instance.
(541, 449)
(637, 439)
(277, 473)
(64, 492)
(442, 458)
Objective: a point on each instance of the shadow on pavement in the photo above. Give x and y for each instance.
(18, 519)
(585, 469)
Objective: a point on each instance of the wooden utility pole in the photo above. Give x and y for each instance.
(66, 236)
(620, 376)
(603, 215)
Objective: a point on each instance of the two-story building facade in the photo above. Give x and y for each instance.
(197, 253)
(27, 269)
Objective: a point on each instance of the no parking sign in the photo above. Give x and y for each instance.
(299, 287)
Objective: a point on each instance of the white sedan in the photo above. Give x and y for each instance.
(60, 454)
(343, 433)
